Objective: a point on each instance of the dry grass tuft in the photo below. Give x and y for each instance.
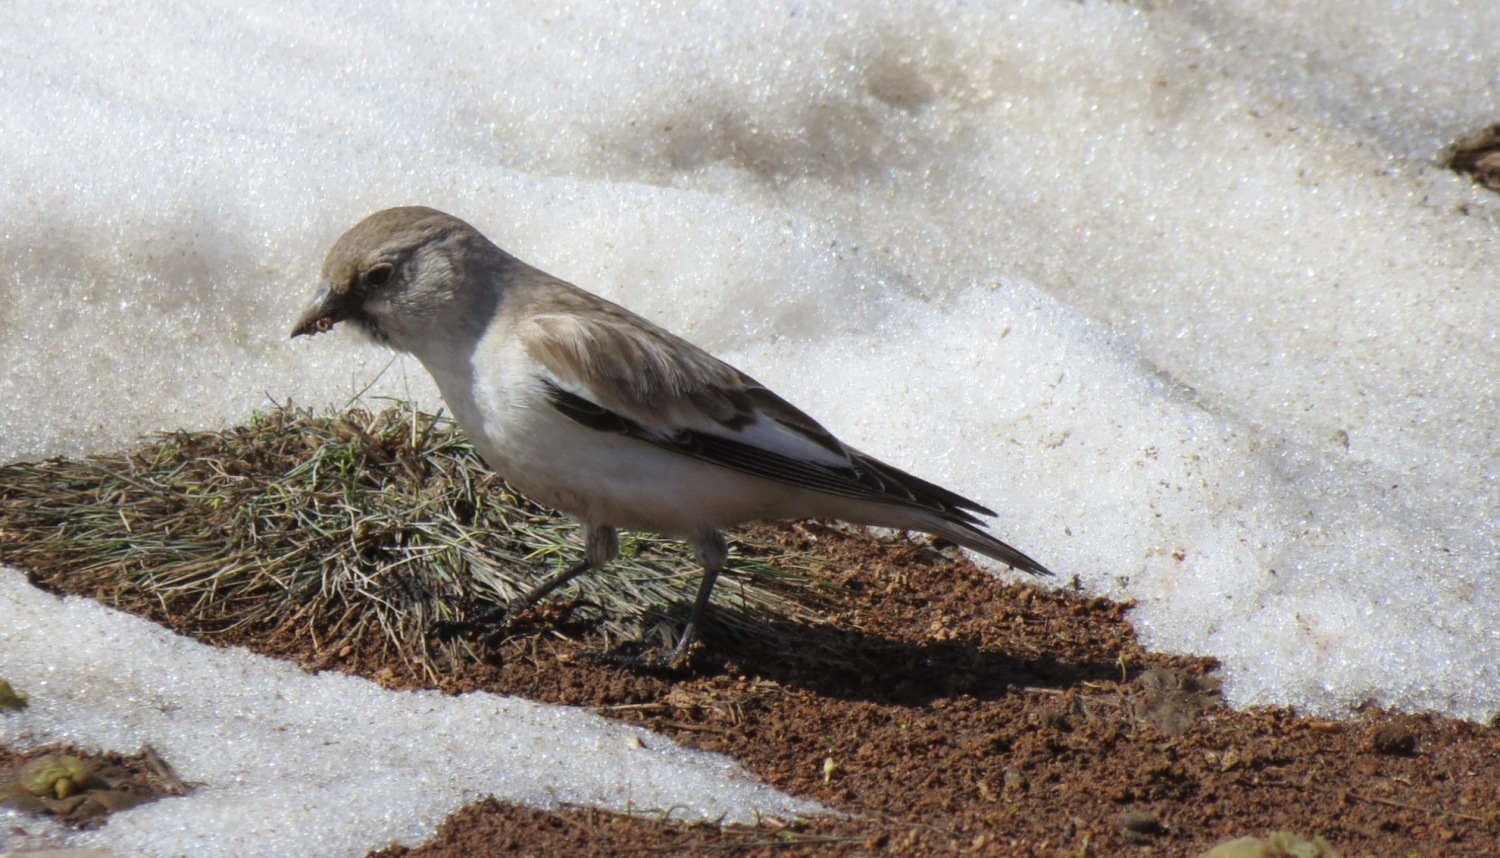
(341, 521)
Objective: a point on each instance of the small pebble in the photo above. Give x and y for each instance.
(1393, 739)
(1140, 823)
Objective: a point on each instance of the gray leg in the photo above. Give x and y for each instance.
(712, 551)
(600, 546)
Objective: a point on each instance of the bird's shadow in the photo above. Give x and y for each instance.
(854, 664)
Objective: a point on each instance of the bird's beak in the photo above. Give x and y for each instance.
(328, 308)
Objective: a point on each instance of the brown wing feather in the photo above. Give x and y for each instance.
(629, 364)
(638, 369)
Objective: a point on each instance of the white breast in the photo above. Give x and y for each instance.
(496, 396)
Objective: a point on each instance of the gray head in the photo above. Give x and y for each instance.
(402, 273)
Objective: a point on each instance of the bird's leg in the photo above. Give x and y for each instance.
(601, 544)
(712, 552)
(690, 631)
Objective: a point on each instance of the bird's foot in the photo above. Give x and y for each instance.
(639, 657)
(494, 623)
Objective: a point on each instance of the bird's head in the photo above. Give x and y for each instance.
(402, 275)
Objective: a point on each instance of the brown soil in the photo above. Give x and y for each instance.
(949, 713)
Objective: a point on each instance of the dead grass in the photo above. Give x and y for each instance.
(388, 518)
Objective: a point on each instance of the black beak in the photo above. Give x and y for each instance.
(327, 309)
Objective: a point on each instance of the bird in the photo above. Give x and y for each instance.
(586, 407)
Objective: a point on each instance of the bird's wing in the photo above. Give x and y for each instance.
(613, 371)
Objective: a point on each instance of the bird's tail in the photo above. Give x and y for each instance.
(916, 504)
(970, 537)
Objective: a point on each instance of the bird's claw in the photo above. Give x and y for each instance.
(494, 623)
(642, 660)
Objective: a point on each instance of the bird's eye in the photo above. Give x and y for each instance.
(378, 276)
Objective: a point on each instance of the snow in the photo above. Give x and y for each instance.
(1179, 289)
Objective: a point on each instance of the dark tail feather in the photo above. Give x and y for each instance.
(974, 539)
